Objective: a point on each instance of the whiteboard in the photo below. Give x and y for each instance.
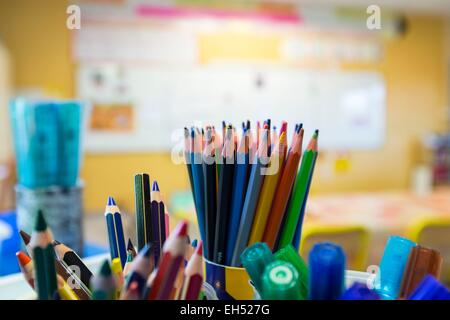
(347, 107)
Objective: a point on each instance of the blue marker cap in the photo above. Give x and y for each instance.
(392, 267)
(430, 289)
(359, 291)
(155, 186)
(326, 271)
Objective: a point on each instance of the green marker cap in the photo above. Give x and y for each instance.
(255, 258)
(289, 254)
(281, 281)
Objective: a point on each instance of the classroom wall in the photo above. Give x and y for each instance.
(414, 68)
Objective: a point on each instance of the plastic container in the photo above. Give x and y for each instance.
(62, 209)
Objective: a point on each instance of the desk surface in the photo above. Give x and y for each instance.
(386, 211)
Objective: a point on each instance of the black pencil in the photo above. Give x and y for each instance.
(209, 174)
(224, 197)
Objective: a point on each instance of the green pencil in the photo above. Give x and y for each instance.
(44, 259)
(104, 285)
(299, 193)
(143, 209)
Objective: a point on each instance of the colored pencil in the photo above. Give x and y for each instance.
(26, 241)
(158, 221)
(268, 192)
(127, 268)
(44, 259)
(187, 159)
(115, 231)
(103, 284)
(197, 175)
(116, 268)
(71, 258)
(70, 274)
(283, 190)
(141, 267)
(26, 267)
(209, 175)
(130, 247)
(193, 276)
(299, 194)
(143, 209)
(240, 181)
(224, 197)
(173, 254)
(251, 199)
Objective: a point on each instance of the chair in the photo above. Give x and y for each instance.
(434, 233)
(354, 240)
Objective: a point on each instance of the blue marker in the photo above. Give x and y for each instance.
(359, 291)
(430, 289)
(326, 271)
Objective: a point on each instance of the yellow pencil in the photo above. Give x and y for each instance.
(116, 268)
(65, 291)
(267, 192)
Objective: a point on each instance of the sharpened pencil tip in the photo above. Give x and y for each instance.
(199, 248)
(105, 269)
(111, 201)
(25, 237)
(146, 250)
(22, 258)
(130, 245)
(155, 186)
(194, 243)
(56, 242)
(41, 224)
(181, 229)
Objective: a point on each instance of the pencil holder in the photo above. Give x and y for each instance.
(230, 283)
(62, 208)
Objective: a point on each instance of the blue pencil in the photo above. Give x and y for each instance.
(197, 177)
(115, 232)
(238, 196)
(251, 201)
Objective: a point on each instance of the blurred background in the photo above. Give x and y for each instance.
(373, 79)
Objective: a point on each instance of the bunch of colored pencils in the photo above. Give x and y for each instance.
(165, 266)
(248, 187)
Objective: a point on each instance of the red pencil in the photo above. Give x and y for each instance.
(193, 276)
(173, 255)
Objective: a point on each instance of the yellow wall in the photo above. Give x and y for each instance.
(414, 69)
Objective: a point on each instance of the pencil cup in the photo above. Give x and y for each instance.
(62, 208)
(229, 283)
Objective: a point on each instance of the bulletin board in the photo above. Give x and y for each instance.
(148, 77)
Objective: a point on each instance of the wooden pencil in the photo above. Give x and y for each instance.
(209, 175)
(71, 258)
(193, 276)
(268, 192)
(141, 267)
(197, 175)
(283, 191)
(158, 221)
(224, 198)
(103, 284)
(251, 199)
(240, 181)
(143, 209)
(173, 255)
(115, 231)
(43, 255)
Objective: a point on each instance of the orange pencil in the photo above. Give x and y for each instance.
(283, 190)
